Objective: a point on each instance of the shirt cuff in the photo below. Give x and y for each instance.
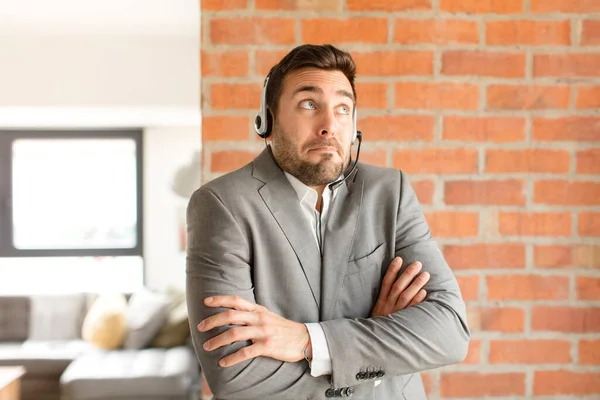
(321, 359)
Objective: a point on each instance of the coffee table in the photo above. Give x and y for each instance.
(10, 384)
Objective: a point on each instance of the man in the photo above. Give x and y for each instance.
(303, 266)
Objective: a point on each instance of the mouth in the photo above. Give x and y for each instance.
(324, 149)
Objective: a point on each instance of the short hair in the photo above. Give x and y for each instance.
(325, 57)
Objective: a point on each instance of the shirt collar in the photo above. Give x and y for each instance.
(303, 191)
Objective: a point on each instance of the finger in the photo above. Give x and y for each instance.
(411, 291)
(236, 302)
(237, 334)
(404, 280)
(420, 297)
(243, 354)
(229, 317)
(390, 277)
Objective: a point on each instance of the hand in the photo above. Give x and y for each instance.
(271, 335)
(397, 294)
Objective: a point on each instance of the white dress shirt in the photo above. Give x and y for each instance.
(321, 358)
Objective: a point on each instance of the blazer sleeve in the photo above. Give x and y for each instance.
(431, 334)
(219, 263)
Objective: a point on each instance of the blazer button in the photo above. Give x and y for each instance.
(380, 374)
(329, 393)
(337, 393)
(349, 391)
(372, 375)
(360, 376)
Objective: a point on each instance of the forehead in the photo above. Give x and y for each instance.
(330, 82)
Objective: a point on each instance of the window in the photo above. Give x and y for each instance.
(73, 193)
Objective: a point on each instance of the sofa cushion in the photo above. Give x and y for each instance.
(130, 373)
(42, 358)
(14, 318)
(146, 313)
(56, 317)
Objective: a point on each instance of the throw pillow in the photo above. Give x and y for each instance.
(176, 329)
(104, 325)
(146, 313)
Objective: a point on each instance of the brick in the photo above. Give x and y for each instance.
(265, 59)
(436, 31)
(229, 160)
(393, 63)
(552, 256)
(434, 96)
(551, 224)
(589, 352)
(225, 128)
(562, 382)
(482, 6)
(474, 353)
(484, 129)
(588, 161)
(436, 161)
(219, 5)
(527, 287)
(565, 6)
(424, 190)
(537, 97)
(566, 256)
(300, 5)
(566, 319)
(374, 157)
(527, 161)
(590, 34)
(483, 63)
(476, 384)
(523, 32)
(371, 95)
(588, 288)
(588, 97)
(225, 63)
(568, 128)
(586, 256)
(469, 287)
(244, 31)
(485, 256)
(348, 30)
(388, 5)
(566, 65)
(235, 96)
(428, 382)
(589, 223)
(453, 223)
(500, 319)
(537, 351)
(560, 192)
(398, 127)
(508, 192)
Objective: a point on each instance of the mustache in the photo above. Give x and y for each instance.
(325, 143)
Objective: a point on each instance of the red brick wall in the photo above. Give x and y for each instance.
(492, 108)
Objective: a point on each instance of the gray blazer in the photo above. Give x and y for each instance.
(247, 236)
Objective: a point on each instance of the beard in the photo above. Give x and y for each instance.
(323, 172)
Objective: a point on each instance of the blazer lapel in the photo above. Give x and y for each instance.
(339, 236)
(281, 200)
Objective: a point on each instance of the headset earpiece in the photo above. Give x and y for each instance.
(263, 122)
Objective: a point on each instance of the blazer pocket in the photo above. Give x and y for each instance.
(364, 263)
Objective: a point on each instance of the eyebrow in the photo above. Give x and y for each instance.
(316, 89)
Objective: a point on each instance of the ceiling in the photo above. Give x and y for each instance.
(100, 17)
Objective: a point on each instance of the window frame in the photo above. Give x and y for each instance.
(7, 137)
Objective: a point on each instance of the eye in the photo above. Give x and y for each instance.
(308, 104)
(344, 110)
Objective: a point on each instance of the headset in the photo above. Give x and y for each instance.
(263, 124)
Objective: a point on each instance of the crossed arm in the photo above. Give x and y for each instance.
(257, 356)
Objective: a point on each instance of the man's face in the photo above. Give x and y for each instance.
(312, 131)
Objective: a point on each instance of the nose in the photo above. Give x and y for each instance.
(328, 124)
